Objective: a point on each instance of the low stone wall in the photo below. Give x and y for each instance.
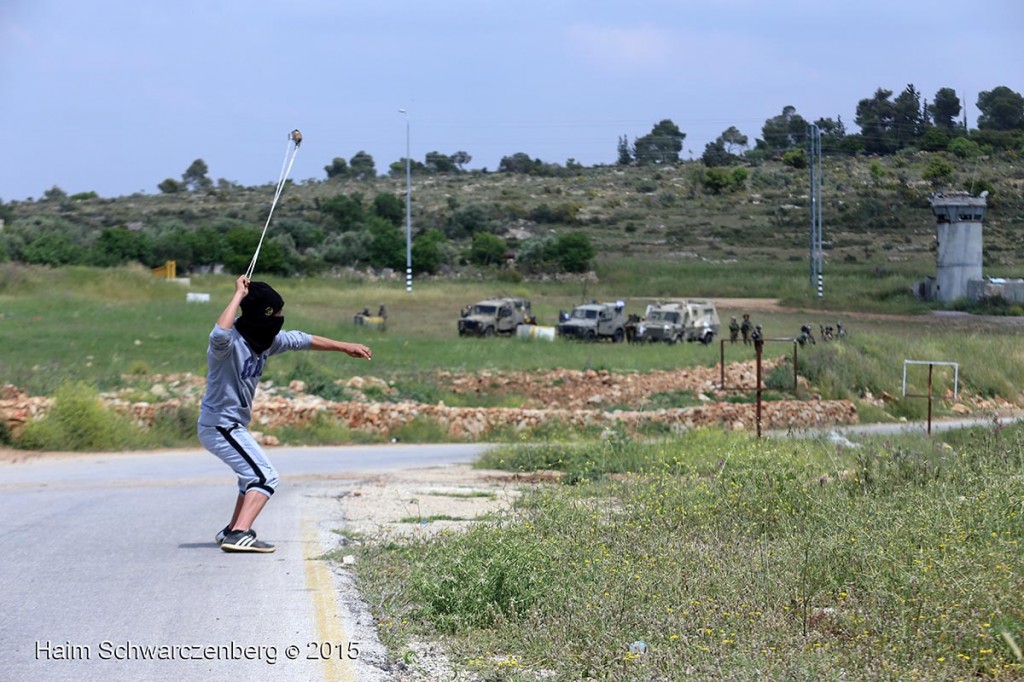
(272, 411)
(470, 422)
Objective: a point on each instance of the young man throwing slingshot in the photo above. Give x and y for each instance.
(236, 357)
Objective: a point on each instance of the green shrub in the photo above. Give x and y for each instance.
(175, 425)
(481, 578)
(964, 148)
(79, 421)
(938, 170)
(780, 378)
(422, 430)
(795, 158)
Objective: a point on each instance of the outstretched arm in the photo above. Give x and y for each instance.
(227, 318)
(355, 350)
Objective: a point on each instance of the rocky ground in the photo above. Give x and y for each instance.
(573, 397)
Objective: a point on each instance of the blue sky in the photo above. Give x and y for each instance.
(113, 96)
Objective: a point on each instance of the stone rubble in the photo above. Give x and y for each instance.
(587, 398)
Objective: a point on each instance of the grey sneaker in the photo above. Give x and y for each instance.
(222, 533)
(245, 541)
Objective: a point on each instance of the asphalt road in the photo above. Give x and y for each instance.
(109, 570)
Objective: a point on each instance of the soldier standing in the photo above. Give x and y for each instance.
(734, 330)
(746, 328)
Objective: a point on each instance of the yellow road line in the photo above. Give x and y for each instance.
(329, 628)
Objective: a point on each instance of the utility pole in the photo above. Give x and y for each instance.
(408, 208)
(816, 256)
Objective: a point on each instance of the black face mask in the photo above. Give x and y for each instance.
(259, 323)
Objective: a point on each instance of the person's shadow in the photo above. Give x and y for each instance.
(197, 545)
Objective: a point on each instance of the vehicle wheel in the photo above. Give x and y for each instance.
(590, 336)
(672, 340)
(708, 338)
(618, 336)
(489, 332)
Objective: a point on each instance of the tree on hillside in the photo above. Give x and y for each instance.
(785, 131)
(1001, 109)
(54, 250)
(460, 159)
(397, 168)
(945, 110)
(733, 140)
(428, 251)
(240, 243)
(194, 176)
(389, 207)
(715, 154)
(660, 146)
(387, 244)
(487, 249)
(908, 121)
(170, 186)
(833, 133)
(520, 162)
(467, 220)
(337, 169)
(55, 194)
(118, 245)
(344, 212)
(362, 166)
(875, 117)
(436, 162)
(572, 252)
(624, 153)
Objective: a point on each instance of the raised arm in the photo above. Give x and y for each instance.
(355, 350)
(227, 318)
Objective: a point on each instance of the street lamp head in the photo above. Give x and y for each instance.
(401, 111)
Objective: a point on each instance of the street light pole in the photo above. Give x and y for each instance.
(408, 208)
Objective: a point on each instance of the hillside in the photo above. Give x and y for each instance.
(875, 211)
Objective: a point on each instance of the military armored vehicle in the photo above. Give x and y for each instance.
(495, 316)
(593, 321)
(691, 319)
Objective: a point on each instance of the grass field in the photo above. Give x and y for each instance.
(96, 326)
(81, 324)
(720, 557)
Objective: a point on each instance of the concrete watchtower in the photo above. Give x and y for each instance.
(958, 218)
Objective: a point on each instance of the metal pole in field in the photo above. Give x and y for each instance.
(758, 345)
(821, 241)
(811, 261)
(930, 367)
(408, 207)
(796, 380)
(721, 363)
(817, 257)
